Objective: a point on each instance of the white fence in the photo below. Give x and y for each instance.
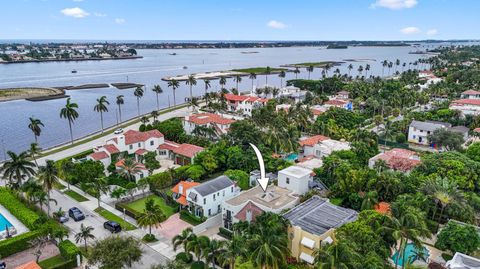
(209, 223)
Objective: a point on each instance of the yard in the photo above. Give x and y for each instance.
(76, 196)
(110, 216)
(139, 205)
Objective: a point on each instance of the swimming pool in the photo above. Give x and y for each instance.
(4, 223)
(291, 157)
(411, 254)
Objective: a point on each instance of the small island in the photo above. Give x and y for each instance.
(31, 94)
(314, 64)
(335, 46)
(261, 70)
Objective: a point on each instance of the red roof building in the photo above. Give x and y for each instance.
(132, 136)
(471, 92)
(111, 148)
(205, 118)
(249, 212)
(99, 155)
(397, 159)
(310, 141)
(477, 130)
(187, 150)
(181, 191)
(29, 265)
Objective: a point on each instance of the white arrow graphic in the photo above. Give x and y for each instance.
(263, 180)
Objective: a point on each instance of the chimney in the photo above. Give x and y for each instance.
(180, 188)
(248, 216)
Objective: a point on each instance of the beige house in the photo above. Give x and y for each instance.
(312, 224)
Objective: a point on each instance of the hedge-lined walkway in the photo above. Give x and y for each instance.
(12, 261)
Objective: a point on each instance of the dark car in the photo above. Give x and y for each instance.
(76, 214)
(112, 226)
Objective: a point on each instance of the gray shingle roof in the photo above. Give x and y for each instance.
(213, 185)
(460, 129)
(429, 125)
(317, 215)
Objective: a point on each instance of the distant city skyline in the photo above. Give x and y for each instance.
(265, 20)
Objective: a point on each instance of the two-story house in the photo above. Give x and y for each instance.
(418, 131)
(218, 123)
(402, 160)
(320, 146)
(205, 200)
(295, 178)
(244, 104)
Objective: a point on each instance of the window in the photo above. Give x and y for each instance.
(204, 201)
(223, 193)
(219, 209)
(232, 189)
(209, 212)
(162, 152)
(139, 144)
(213, 197)
(152, 142)
(130, 147)
(288, 180)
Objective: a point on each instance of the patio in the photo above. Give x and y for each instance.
(172, 226)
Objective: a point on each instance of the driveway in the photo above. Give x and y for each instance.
(172, 226)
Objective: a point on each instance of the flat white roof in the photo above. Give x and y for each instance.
(296, 171)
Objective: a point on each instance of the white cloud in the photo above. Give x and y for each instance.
(120, 21)
(410, 30)
(98, 14)
(276, 24)
(432, 32)
(75, 12)
(394, 4)
(77, 0)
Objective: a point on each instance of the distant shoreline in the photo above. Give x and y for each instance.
(70, 60)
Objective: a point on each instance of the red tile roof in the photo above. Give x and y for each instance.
(132, 136)
(29, 265)
(477, 130)
(111, 148)
(186, 185)
(310, 141)
(471, 92)
(241, 98)
(204, 118)
(400, 159)
(121, 163)
(99, 155)
(187, 150)
(251, 207)
(316, 112)
(336, 102)
(168, 145)
(141, 151)
(475, 102)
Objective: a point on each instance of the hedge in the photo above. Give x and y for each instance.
(68, 250)
(225, 233)
(18, 243)
(25, 215)
(188, 217)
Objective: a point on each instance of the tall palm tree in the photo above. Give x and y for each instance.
(350, 67)
(98, 187)
(183, 238)
(268, 71)
(367, 68)
(270, 249)
(310, 70)
(222, 82)
(36, 126)
(16, 168)
(296, 71)
(174, 84)
(192, 81)
(397, 63)
(157, 90)
(34, 151)
(237, 80)
(384, 64)
(252, 76)
(232, 250)
(129, 168)
(85, 234)
(139, 94)
(154, 115)
(47, 176)
(211, 250)
(69, 112)
(281, 75)
(101, 107)
(360, 70)
(120, 101)
(207, 86)
(338, 255)
(152, 215)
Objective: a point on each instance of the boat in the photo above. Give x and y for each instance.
(173, 54)
(185, 67)
(74, 71)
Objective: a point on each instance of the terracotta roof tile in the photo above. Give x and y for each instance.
(477, 130)
(121, 163)
(111, 148)
(168, 145)
(310, 141)
(471, 92)
(99, 155)
(249, 207)
(140, 151)
(187, 150)
(316, 112)
(29, 265)
(400, 159)
(183, 196)
(475, 102)
(204, 118)
(132, 136)
(336, 102)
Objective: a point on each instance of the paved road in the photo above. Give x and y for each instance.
(100, 141)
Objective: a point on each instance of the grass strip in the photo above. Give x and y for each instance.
(127, 226)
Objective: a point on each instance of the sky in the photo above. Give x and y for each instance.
(240, 20)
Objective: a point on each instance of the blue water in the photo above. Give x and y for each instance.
(410, 255)
(4, 223)
(291, 157)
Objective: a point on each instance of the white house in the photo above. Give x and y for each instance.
(340, 103)
(210, 120)
(320, 146)
(296, 179)
(471, 94)
(244, 104)
(468, 106)
(418, 131)
(463, 261)
(205, 200)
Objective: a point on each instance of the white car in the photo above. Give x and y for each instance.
(118, 131)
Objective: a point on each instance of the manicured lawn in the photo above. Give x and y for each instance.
(139, 205)
(76, 196)
(54, 262)
(110, 216)
(59, 186)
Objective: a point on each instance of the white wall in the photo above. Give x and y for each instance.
(299, 185)
(212, 203)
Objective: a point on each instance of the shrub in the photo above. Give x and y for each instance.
(241, 177)
(26, 216)
(149, 238)
(401, 138)
(225, 233)
(198, 265)
(188, 217)
(18, 243)
(68, 250)
(184, 257)
(458, 238)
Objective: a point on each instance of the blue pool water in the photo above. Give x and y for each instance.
(4, 223)
(411, 255)
(291, 157)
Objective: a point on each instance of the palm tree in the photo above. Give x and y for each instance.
(101, 107)
(211, 250)
(154, 115)
(397, 63)
(174, 84)
(253, 77)
(268, 71)
(183, 238)
(34, 151)
(191, 80)
(338, 255)
(270, 249)
(35, 125)
(17, 167)
(207, 86)
(367, 68)
(139, 94)
(47, 176)
(41, 197)
(98, 187)
(84, 234)
(281, 75)
(237, 80)
(157, 90)
(296, 71)
(310, 70)
(70, 113)
(129, 168)
(152, 216)
(144, 120)
(360, 70)
(275, 92)
(222, 82)
(120, 102)
(370, 200)
(384, 64)
(350, 67)
(232, 250)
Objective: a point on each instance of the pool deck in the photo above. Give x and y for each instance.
(14, 221)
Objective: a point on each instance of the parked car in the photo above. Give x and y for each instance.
(63, 219)
(112, 226)
(118, 131)
(76, 214)
(3, 265)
